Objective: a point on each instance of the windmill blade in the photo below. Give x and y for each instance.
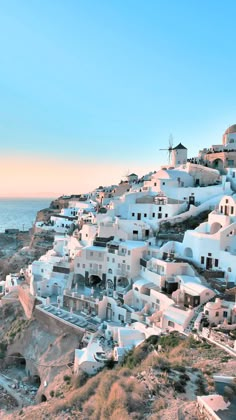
(126, 174)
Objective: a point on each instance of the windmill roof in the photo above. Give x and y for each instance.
(179, 146)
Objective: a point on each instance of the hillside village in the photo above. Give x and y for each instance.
(120, 272)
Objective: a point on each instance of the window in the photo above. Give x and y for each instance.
(90, 265)
(78, 264)
(216, 262)
(209, 254)
(118, 265)
(83, 265)
(158, 301)
(153, 214)
(232, 210)
(171, 324)
(206, 312)
(113, 260)
(225, 314)
(202, 260)
(155, 184)
(166, 215)
(163, 183)
(153, 305)
(159, 215)
(159, 208)
(221, 209)
(41, 270)
(217, 313)
(226, 200)
(133, 214)
(145, 214)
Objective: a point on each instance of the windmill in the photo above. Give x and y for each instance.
(170, 148)
(126, 175)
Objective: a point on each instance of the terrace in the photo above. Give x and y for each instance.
(73, 319)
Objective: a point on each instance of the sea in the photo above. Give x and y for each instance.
(20, 213)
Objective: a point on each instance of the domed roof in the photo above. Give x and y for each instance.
(231, 129)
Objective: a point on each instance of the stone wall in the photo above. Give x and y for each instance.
(56, 326)
(27, 300)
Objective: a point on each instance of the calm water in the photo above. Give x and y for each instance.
(20, 213)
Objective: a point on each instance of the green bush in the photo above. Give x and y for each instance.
(170, 341)
(179, 387)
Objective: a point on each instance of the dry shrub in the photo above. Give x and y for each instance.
(176, 355)
(105, 385)
(125, 372)
(116, 401)
(150, 361)
(89, 408)
(162, 363)
(120, 414)
(135, 402)
(80, 379)
(159, 404)
(78, 397)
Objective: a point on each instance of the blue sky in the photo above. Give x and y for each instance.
(108, 81)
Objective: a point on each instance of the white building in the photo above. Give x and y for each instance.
(219, 311)
(212, 245)
(89, 359)
(113, 265)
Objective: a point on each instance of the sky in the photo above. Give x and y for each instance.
(90, 90)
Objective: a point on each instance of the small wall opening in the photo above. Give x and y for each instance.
(77, 281)
(123, 282)
(215, 227)
(35, 380)
(188, 253)
(94, 280)
(43, 398)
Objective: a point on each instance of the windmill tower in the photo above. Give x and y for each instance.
(176, 155)
(179, 155)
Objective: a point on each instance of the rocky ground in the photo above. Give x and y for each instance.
(20, 249)
(150, 385)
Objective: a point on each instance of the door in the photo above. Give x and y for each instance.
(139, 216)
(209, 263)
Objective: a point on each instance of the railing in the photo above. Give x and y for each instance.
(122, 272)
(80, 296)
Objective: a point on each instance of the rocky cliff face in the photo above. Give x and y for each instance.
(45, 353)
